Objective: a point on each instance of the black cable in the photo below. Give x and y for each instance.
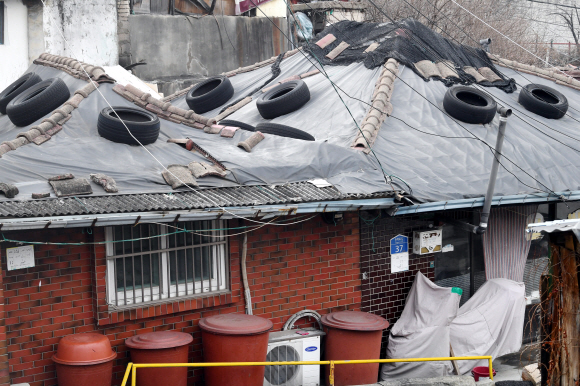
(275, 73)
(481, 88)
(549, 191)
(475, 137)
(388, 178)
(505, 103)
(471, 48)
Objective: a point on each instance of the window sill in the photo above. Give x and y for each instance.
(163, 307)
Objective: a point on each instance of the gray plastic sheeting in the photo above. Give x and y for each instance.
(437, 168)
(78, 148)
(442, 168)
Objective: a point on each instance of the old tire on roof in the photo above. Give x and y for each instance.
(469, 105)
(24, 82)
(37, 101)
(141, 123)
(209, 94)
(543, 100)
(283, 131)
(283, 99)
(241, 125)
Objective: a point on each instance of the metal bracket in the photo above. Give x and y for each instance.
(459, 224)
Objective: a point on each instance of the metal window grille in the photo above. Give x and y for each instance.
(155, 263)
(1, 22)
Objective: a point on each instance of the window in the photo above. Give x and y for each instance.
(152, 263)
(1, 22)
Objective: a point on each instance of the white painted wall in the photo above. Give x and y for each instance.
(14, 51)
(90, 27)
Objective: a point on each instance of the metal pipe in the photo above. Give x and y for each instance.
(247, 293)
(299, 363)
(504, 114)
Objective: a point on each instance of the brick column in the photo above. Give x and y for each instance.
(4, 370)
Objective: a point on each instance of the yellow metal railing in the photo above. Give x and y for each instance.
(132, 367)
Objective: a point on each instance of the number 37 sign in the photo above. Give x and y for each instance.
(399, 254)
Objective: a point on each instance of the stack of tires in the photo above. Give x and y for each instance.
(30, 98)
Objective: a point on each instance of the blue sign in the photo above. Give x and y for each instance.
(311, 348)
(399, 244)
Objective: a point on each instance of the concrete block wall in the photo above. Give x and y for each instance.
(384, 293)
(310, 265)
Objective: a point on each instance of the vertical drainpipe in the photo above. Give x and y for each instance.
(504, 114)
(247, 293)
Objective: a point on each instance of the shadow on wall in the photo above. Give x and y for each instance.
(179, 50)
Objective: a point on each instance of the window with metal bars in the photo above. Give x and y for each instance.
(156, 263)
(2, 22)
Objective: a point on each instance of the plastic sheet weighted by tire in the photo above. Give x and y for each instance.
(543, 100)
(209, 94)
(37, 101)
(469, 105)
(241, 125)
(283, 131)
(283, 99)
(141, 123)
(24, 82)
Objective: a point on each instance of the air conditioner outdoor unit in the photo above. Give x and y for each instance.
(293, 345)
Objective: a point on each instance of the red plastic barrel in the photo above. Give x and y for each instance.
(353, 335)
(84, 360)
(235, 338)
(160, 347)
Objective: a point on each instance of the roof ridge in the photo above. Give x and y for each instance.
(74, 68)
(550, 74)
(235, 72)
(380, 108)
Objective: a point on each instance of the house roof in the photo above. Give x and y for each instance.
(421, 150)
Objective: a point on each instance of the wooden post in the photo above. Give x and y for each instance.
(570, 334)
(545, 329)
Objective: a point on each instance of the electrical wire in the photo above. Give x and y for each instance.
(508, 38)
(479, 54)
(323, 71)
(476, 52)
(136, 140)
(492, 149)
(555, 4)
(180, 230)
(336, 88)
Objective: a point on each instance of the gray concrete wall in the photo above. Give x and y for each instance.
(179, 48)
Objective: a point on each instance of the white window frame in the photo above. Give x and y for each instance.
(165, 291)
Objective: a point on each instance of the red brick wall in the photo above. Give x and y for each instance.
(384, 293)
(308, 265)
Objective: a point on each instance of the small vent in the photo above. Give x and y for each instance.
(281, 375)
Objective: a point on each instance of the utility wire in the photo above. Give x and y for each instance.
(180, 230)
(323, 72)
(475, 137)
(137, 141)
(507, 37)
(479, 54)
(554, 4)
